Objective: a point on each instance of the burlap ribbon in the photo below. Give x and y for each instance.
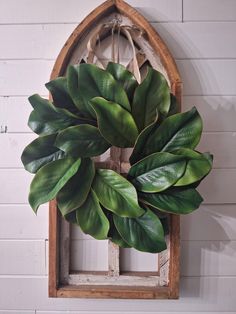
(115, 27)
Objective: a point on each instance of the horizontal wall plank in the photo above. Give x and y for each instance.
(199, 40)
(185, 40)
(16, 312)
(197, 294)
(123, 312)
(14, 186)
(14, 145)
(83, 253)
(210, 222)
(208, 258)
(208, 77)
(29, 257)
(20, 222)
(212, 188)
(218, 112)
(221, 145)
(219, 186)
(14, 114)
(181, 38)
(209, 10)
(33, 41)
(200, 77)
(35, 73)
(16, 11)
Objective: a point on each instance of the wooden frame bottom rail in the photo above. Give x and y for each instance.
(127, 285)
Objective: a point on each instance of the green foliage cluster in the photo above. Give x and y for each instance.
(93, 109)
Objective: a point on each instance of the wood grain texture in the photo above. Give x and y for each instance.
(36, 35)
(66, 55)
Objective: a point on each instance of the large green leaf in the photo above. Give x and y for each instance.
(113, 234)
(87, 81)
(71, 218)
(50, 179)
(75, 191)
(115, 123)
(144, 233)
(40, 152)
(198, 166)
(210, 159)
(173, 200)
(60, 94)
(91, 218)
(82, 140)
(117, 239)
(182, 130)
(47, 119)
(157, 172)
(116, 193)
(139, 147)
(150, 97)
(124, 77)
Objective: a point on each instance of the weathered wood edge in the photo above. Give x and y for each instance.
(53, 249)
(174, 266)
(111, 5)
(113, 292)
(59, 68)
(89, 21)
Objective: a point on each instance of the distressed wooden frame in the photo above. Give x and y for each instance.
(113, 284)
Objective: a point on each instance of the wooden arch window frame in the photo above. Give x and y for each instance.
(59, 284)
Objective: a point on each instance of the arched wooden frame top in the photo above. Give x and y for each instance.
(123, 8)
(63, 60)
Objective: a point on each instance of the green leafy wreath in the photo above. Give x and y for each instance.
(93, 109)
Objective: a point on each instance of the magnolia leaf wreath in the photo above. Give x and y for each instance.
(93, 109)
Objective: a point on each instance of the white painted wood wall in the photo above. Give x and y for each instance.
(201, 35)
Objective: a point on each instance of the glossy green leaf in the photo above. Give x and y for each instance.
(124, 77)
(113, 234)
(118, 240)
(47, 119)
(198, 166)
(60, 94)
(182, 130)
(150, 97)
(71, 218)
(82, 141)
(139, 146)
(50, 179)
(116, 193)
(40, 152)
(176, 201)
(209, 157)
(144, 233)
(115, 123)
(87, 81)
(75, 191)
(91, 218)
(157, 172)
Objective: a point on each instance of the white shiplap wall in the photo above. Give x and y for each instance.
(201, 36)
